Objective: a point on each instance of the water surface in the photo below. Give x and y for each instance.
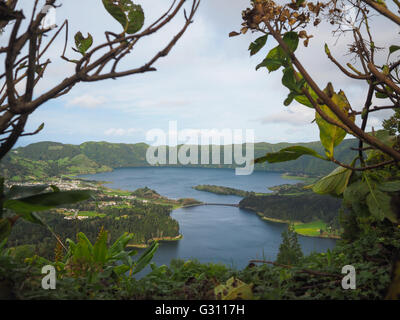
(227, 235)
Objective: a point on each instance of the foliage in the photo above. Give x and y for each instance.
(143, 221)
(309, 207)
(289, 251)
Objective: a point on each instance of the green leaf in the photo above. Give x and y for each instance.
(291, 39)
(258, 44)
(380, 95)
(274, 60)
(302, 98)
(292, 95)
(116, 11)
(356, 192)
(82, 43)
(32, 217)
(129, 15)
(355, 195)
(100, 248)
(46, 201)
(330, 135)
(393, 48)
(146, 257)
(288, 79)
(390, 186)
(326, 48)
(334, 183)
(136, 19)
(24, 191)
(288, 154)
(234, 289)
(379, 205)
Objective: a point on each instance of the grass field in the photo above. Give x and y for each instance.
(311, 229)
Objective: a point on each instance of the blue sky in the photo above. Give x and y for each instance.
(208, 81)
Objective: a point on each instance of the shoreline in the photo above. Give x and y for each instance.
(161, 239)
(275, 220)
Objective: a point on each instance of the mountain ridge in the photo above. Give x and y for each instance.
(47, 158)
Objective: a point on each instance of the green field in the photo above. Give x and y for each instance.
(311, 229)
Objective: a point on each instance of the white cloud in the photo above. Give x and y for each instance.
(121, 132)
(293, 115)
(87, 101)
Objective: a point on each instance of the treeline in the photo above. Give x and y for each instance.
(222, 190)
(305, 207)
(145, 222)
(44, 159)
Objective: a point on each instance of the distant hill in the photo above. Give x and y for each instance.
(46, 159)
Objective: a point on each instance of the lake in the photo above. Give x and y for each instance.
(227, 235)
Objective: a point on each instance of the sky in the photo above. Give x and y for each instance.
(208, 81)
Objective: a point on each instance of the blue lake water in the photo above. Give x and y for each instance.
(227, 235)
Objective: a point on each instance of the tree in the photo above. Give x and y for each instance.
(376, 158)
(370, 184)
(25, 66)
(289, 251)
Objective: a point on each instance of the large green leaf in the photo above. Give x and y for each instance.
(257, 45)
(288, 79)
(331, 135)
(390, 186)
(302, 98)
(146, 257)
(335, 183)
(356, 192)
(288, 154)
(274, 60)
(100, 249)
(128, 14)
(291, 39)
(24, 191)
(46, 201)
(379, 205)
(120, 244)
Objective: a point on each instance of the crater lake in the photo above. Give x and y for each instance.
(217, 234)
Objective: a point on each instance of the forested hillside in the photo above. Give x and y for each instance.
(45, 159)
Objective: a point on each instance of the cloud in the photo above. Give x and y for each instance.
(121, 132)
(162, 103)
(87, 101)
(295, 116)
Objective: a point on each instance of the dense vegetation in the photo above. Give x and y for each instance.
(46, 159)
(316, 276)
(142, 217)
(308, 207)
(222, 190)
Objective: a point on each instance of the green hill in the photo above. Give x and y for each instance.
(46, 159)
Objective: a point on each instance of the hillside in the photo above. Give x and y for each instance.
(46, 159)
